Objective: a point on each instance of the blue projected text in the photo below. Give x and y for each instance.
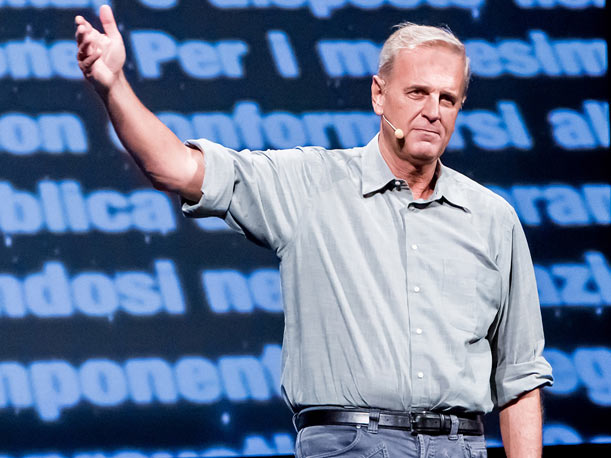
(198, 59)
(560, 204)
(576, 284)
(539, 56)
(63, 207)
(22, 134)
(587, 367)
(230, 290)
(325, 8)
(493, 130)
(53, 293)
(279, 443)
(52, 386)
(247, 127)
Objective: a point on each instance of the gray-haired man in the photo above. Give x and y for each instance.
(410, 300)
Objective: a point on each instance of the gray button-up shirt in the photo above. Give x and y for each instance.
(389, 302)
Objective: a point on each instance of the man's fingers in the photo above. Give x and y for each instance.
(82, 28)
(80, 33)
(93, 44)
(86, 63)
(86, 39)
(82, 23)
(83, 50)
(108, 22)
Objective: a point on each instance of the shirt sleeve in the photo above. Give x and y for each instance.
(258, 193)
(518, 341)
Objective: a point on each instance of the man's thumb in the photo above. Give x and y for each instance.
(108, 22)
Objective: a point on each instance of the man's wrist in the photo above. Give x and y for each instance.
(117, 86)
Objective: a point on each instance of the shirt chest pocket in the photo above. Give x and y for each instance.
(470, 295)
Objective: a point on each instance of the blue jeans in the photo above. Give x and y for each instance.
(358, 441)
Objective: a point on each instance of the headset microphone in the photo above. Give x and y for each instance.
(398, 132)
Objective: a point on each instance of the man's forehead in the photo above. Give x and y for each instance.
(445, 58)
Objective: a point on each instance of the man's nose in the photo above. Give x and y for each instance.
(430, 110)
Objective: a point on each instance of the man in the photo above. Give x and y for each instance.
(410, 301)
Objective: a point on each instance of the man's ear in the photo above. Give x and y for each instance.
(377, 94)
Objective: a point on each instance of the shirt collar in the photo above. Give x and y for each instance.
(450, 189)
(375, 171)
(376, 176)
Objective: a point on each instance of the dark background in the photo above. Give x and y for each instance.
(571, 416)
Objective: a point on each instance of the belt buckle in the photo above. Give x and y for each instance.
(425, 422)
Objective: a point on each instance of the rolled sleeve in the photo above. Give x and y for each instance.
(217, 187)
(518, 342)
(512, 380)
(259, 194)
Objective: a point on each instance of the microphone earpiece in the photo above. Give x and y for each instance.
(398, 132)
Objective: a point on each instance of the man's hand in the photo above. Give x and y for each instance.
(521, 423)
(165, 160)
(100, 56)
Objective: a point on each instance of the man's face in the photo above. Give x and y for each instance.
(422, 96)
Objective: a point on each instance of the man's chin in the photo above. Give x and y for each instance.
(424, 155)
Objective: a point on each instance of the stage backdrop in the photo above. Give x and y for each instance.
(129, 331)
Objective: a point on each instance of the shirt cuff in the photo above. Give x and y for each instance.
(514, 380)
(217, 187)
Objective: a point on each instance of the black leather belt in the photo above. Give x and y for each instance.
(419, 422)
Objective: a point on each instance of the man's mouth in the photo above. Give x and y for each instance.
(428, 131)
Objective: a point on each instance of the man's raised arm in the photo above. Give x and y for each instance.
(166, 161)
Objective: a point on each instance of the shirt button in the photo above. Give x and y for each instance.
(414, 247)
(418, 331)
(420, 375)
(416, 289)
